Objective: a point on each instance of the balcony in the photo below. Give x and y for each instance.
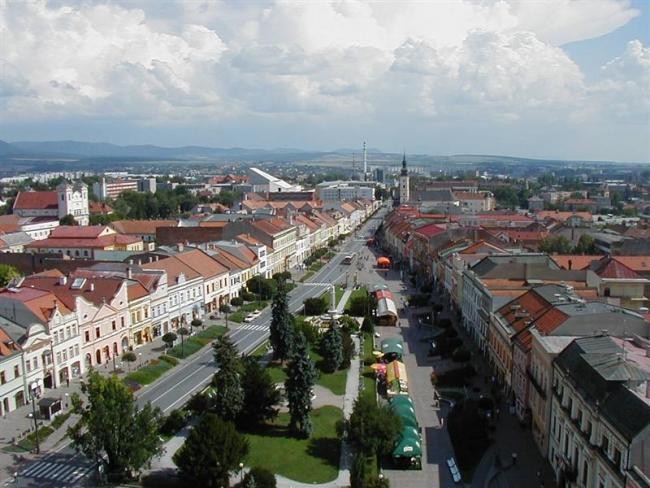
(533, 381)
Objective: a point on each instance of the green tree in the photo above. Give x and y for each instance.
(301, 376)
(586, 245)
(261, 397)
(182, 331)
(229, 396)
(263, 478)
(8, 273)
(315, 306)
(372, 429)
(212, 451)
(282, 328)
(555, 245)
(265, 288)
(347, 348)
(67, 220)
(169, 339)
(225, 309)
(111, 426)
(331, 348)
(367, 325)
(129, 357)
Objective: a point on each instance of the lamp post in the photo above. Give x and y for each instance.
(140, 358)
(241, 472)
(32, 390)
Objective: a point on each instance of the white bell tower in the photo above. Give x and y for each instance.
(404, 193)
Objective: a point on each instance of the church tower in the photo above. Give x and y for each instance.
(404, 194)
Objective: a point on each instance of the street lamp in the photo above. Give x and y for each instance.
(33, 388)
(140, 357)
(241, 472)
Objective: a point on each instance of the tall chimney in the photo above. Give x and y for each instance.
(129, 272)
(365, 161)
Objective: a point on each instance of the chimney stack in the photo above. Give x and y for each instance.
(92, 287)
(129, 272)
(63, 280)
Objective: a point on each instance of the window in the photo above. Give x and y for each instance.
(97, 334)
(76, 349)
(67, 332)
(36, 362)
(87, 336)
(16, 371)
(122, 322)
(617, 458)
(65, 355)
(58, 357)
(604, 444)
(146, 313)
(28, 365)
(588, 428)
(585, 472)
(113, 326)
(579, 417)
(3, 380)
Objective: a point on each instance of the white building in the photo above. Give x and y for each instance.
(261, 181)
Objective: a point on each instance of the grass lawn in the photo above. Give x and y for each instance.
(313, 460)
(150, 373)
(261, 350)
(196, 342)
(278, 374)
(338, 291)
(359, 292)
(316, 266)
(245, 309)
(335, 382)
(369, 382)
(306, 276)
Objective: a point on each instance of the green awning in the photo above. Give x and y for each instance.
(402, 400)
(392, 345)
(406, 413)
(408, 446)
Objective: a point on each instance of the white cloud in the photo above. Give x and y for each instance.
(188, 61)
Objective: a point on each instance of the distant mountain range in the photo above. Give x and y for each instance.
(76, 150)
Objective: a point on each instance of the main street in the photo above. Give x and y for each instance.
(68, 468)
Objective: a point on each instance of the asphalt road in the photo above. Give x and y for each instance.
(174, 389)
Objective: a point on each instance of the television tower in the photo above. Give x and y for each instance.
(365, 162)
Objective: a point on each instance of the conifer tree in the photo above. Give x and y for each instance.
(301, 376)
(282, 329)
(331, 348)
(229, 397)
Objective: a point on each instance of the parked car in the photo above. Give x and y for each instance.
(252, 316)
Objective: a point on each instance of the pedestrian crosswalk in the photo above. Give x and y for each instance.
(317, 284)
(60, 473)
(254, 327)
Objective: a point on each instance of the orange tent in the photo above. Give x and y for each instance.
(383, 262)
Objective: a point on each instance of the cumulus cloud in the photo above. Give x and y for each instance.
(180, 61)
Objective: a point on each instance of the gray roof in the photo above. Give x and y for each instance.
(13, 330)
(443, 195)
(16, 238)
(599, 372)
(496, 261)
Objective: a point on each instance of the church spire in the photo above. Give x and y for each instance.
(404, 169)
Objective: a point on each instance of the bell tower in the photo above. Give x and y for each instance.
(404, 193)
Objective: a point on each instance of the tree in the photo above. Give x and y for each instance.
(347, 348)
(315, 306)
(8, 273)
(169, 339)
(213, 450)
(367, 325)
(196, 323)
(586, 245)
(301, 376)
(182, 331)
(281, 329)
(229, 396)
(111, 427)
(371, 429)
(265, 288)
(331, 348)
(225, 309)
(67, 220)
(260, 394)
(262, 478)
(129, 357)
(555, 245)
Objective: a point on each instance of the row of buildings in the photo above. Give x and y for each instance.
(89, 293)
(566, 336)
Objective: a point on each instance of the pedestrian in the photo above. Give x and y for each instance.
(442, 422)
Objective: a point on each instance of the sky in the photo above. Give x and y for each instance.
(566, 79)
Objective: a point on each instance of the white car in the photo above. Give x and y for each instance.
(252, 316)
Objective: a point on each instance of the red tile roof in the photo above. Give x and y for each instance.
(9, 223)
(141, 227)
(610, 268)
(430, 230)
(577, 261)
(78, 232)
(90, 243)
(636, 263)
(8, 347)
(41, 200)
(95, 289)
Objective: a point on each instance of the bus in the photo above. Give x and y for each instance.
(349, 258)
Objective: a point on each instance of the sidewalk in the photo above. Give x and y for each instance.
(508, 438)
